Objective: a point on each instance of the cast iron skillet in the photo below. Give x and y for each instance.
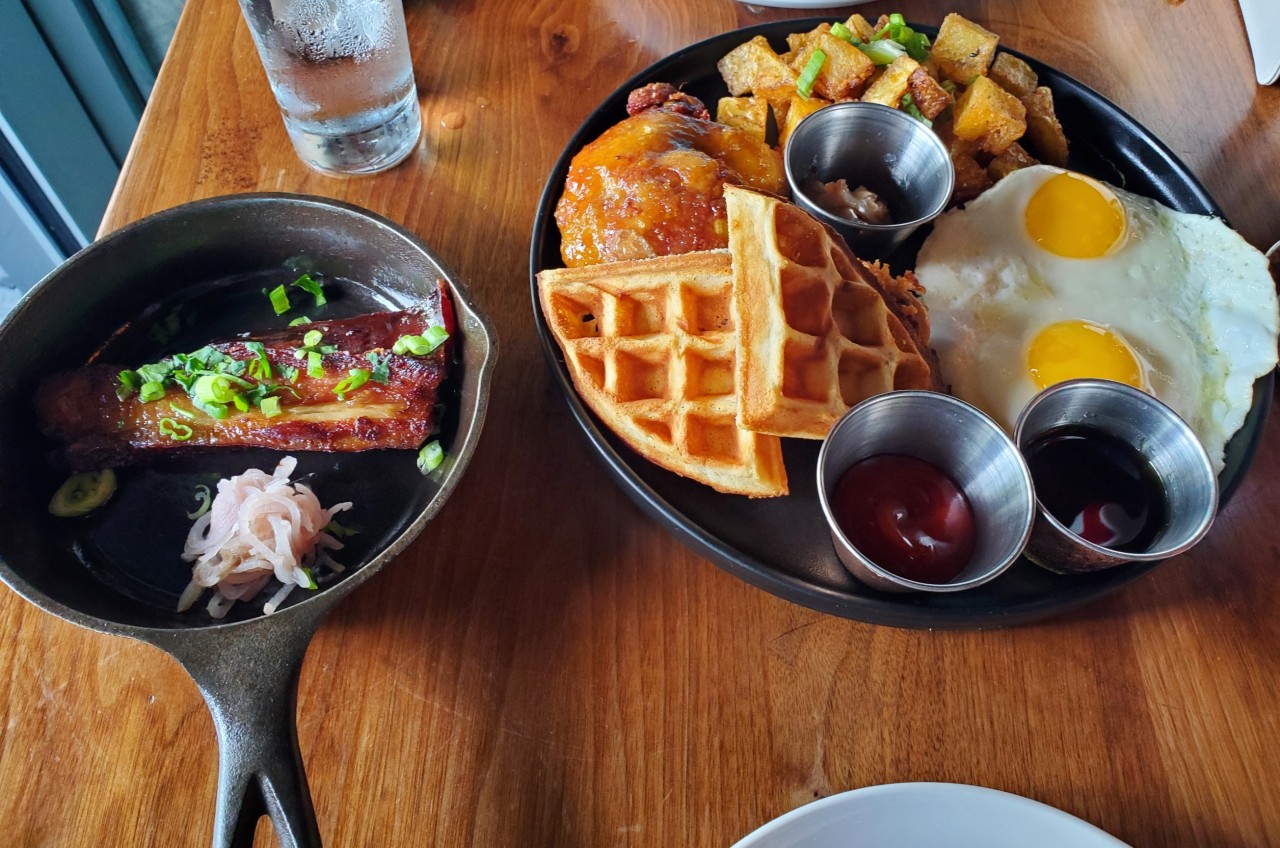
(171, 283)
(782, 545)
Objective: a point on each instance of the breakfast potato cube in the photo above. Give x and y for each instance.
(930, 97)
(745, 113)
(753, 66)
(971, 178)
(988, 114)
(1013, 75)
(963, 50)
(892, 83)
(798, 41)
(779, 98)
(845, 71)
(1044, 133)
(860, 27)
(1014, 158)
(881, 23)
(797, 110)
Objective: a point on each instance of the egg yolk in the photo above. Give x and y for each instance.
(1075, 217)
(1070, 350)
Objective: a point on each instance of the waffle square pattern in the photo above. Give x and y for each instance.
(652, 350)
(818, 329)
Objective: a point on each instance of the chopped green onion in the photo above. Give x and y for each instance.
(909, 106)
(430, 457)
(203, 500)
(270, 406)
(312, 338)
(804, 85)
(422, 345)
(333, 528)
(279, 299)
(175, 430)
(381, 372)
(883, 51)
(309, 285)
(156, 372)
(311, 579)
(150, 391)
(299, 320)
(359, 376)
(128, 383)
(240, 402)
(842, 32)
(314, 367)
(185, 413)
(213, 388)
(213, 410)
(948, 86)
(260, 365)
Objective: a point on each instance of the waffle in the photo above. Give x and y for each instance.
(651, 349)
(818, 330)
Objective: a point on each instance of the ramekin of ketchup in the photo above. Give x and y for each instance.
(924, 492)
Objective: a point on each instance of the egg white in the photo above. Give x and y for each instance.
(1194, 301)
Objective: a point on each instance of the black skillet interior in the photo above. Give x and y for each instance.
(178, 281)
(782, 545)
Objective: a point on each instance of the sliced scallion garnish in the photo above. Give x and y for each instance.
(381, 367)
(185, 413)
(213, 388)
(842, 32)
(431, 338)
(804, 85)
(203, 500)
(302, 319)
(307, 284)
(279, 299)
(270, 406)
(314, 366)
(175, 430)
(909, 106)
(883, 51)
(358, 377)
(150, 391)
(430, 457)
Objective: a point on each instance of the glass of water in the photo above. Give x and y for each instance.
(341, 72)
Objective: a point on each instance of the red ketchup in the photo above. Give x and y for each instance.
(906, 516)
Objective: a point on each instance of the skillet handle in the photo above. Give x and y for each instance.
(248, 674)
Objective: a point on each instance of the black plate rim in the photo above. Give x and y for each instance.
(876, 608)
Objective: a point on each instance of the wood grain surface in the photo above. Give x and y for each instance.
(546, 666)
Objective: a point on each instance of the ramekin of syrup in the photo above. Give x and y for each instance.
(1119, 477)
(923, 492)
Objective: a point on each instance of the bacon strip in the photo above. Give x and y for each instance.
(81, 409)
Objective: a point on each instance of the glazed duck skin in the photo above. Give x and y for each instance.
(83, 409)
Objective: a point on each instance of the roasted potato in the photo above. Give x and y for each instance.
(797, 110)
(753, 66)
(1044, 133)
(1013, 75)
(929, 96)
(860, 27)
(892, 83)
(745, 113)
(971, 178)
(843, 74)
(963, 50)
(1014, 158)
(988, 114)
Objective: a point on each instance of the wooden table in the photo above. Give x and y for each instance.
(546, 666)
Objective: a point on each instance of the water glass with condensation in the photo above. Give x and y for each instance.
(341, 71)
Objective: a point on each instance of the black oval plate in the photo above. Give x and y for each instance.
(782, 545)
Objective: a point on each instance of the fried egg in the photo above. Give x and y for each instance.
(1051, 275)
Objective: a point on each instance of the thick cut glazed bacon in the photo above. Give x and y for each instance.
(81, 407)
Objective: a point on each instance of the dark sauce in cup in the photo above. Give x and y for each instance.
(906, 516)
(1098, 486)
